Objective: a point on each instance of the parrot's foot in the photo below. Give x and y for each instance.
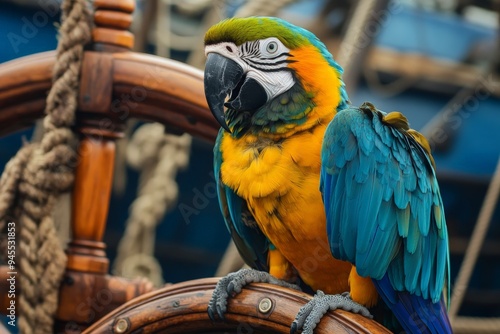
(310, 314)
(232, 284)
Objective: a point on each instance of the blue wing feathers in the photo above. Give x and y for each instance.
(368, 208)
(384, 216)
(428, 248)
(234, 203)
(384, 212)
(395, 270)
(403, 221)
(350, 145)
(369, 263)
(412, 267)
(347, 231)
(413, 234)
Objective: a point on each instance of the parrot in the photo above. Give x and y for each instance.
(317, 193)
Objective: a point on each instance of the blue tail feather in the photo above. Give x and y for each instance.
(415, 314)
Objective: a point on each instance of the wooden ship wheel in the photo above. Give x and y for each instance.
(168, 92)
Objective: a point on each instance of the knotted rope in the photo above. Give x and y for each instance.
(159, 156)
(33, 179)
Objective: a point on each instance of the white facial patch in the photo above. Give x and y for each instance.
(274, 83)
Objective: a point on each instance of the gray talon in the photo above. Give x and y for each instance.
(220, 311)
(232, 284)
(231, 288)
(211, 314)
(310, 314)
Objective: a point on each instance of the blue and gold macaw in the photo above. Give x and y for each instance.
(376, 229)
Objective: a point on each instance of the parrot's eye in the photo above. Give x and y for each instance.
(272, 47)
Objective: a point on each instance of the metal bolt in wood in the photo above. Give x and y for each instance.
(265, 305)
(121, 326)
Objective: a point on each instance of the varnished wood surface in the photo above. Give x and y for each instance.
(113, 36)
(84, 297)
(144, 86)
(93, 179)
(24, 84)
(182, 308)
(126, 6)
(92, 189)
(112, 18)
(96, 82)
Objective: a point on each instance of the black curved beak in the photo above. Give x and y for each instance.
(224, 77)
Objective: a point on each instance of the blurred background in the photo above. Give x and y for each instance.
(437, 61)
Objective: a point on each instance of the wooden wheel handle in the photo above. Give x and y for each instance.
(259, 308)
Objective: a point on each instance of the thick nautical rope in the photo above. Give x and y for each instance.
(39, 172)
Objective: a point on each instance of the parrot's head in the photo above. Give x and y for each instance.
(265, 75)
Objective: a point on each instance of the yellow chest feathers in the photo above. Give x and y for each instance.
(256, 167)
(280, 182)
